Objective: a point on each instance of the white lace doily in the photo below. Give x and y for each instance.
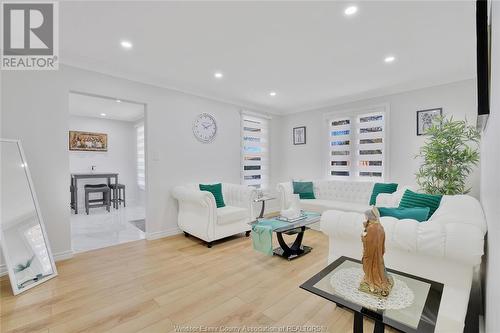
(346, 283)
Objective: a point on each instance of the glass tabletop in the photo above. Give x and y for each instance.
(411, 306)
(310, 218)
(264, 198)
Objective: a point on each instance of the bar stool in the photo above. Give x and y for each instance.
(120, 192)
(105, 201)
(72, 193)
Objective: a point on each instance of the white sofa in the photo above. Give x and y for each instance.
(200, 217)
(447, 248)
(350, 196)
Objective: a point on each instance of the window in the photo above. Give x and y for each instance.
(340, 147)
(141, 166)
(357, 145)
(254, 151)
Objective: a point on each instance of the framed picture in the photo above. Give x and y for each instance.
(299, 135)
(425, 119)
(86, 141)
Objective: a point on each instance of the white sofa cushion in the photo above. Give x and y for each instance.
(230, 214)
(341, 190)
(321, 205)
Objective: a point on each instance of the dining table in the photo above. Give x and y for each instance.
(92, 175)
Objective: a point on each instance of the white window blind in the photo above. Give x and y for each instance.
(141, 165)
(357, 146)
(370, 145)
(340, 147)
(255, 151)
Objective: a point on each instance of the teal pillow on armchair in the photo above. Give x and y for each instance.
(216, 190)
(305, 190)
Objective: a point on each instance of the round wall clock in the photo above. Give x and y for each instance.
(204, 127)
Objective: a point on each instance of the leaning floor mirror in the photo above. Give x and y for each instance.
(25, 247)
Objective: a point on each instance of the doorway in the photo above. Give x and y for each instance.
(106, 152)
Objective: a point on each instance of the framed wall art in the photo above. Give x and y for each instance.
(425, 119)
(87, 141)
(299, 135)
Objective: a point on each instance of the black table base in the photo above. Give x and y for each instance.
(296, 249)
(358, 324)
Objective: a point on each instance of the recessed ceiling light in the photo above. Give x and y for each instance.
(126, 44)
(103, 115)
(118, 101)
(351, 10)
(389, 59)
(218, 75)
(272, 93)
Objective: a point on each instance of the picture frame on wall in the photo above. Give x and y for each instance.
(425, 119)
(299, 135)
(87, 141)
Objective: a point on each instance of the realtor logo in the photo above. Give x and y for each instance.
(29, 36)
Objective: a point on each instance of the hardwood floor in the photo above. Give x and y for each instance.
(151, 286)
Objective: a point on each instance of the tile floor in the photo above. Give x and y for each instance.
(101, 229)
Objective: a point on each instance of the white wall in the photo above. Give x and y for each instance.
(120, 157)
(35, 105)
(490, 183)
(309, 161)
(35, 110)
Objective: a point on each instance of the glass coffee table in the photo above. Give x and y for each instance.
(296, 249)
(412, 306)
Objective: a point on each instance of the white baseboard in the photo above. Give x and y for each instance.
(57, 257)
(63, 255)
(163, 233)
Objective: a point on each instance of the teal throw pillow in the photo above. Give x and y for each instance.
(417, 213)
(305, 190)
(412, 199)
(382, 188)
(216, 190)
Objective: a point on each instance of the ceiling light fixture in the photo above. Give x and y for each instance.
(103, 115)
(126, 44)
(218, 75)
(118, 101)
(389, 59)
(272, 93)
(351, 10)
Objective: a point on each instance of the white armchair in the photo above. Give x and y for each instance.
(200, 217)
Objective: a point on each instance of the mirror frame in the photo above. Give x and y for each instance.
(5, 251)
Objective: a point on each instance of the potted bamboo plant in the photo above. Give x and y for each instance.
(449, 155)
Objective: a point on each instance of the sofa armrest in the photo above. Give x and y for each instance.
(240, 196)
(197, 213)
(285, 192)
(464, 242)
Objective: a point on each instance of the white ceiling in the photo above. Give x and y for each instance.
(310, 53)
(91, 106)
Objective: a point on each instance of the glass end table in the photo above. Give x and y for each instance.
(413, 307)
(263, 199)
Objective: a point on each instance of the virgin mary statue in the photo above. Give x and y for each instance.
(375, 281)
